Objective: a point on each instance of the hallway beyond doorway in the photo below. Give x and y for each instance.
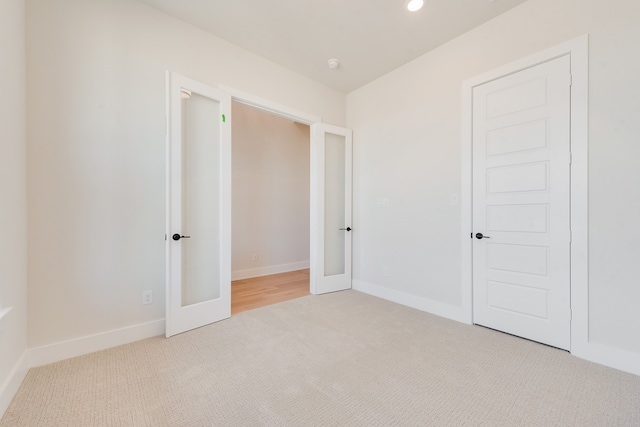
(261, 291)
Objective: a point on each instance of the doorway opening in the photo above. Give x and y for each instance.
(199, 167)
(270, 208)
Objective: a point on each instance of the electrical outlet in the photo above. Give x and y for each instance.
(147, 297)
(254, 257)
(385, 271)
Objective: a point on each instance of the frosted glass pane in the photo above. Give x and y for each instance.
(334, 207)
(200, 199)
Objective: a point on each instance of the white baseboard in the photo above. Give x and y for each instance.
(612, 357)
(10, 387)
(419, 303)
(77, 347)
(594, 352)
(265, 271)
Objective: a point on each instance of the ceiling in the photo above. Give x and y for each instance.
(368, 37)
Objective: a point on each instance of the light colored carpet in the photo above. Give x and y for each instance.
(343, 359)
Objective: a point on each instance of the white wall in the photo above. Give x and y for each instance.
(96, 156)
(270, 178)
(407, 130)
(96, 102)
(13, 196)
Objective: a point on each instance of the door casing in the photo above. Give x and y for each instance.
(577, 49)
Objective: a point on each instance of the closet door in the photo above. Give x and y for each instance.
(521, 203)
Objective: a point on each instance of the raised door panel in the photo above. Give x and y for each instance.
(521, 143)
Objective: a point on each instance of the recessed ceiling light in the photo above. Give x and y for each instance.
(333, 63)
(414, 5)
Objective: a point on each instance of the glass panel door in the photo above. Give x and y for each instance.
(200, 199)
(334, 204)
(331, 227)
(198, 205)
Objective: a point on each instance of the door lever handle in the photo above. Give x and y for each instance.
(178, 237)
(481, 236)
(346, 229)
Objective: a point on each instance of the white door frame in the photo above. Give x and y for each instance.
(270, 107)
(578, 49)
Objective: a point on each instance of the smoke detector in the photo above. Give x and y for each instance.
(333, 63)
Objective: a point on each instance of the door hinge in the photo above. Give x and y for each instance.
(570, 80)
(570, 236)
(570, 158)
(165, 237)
(570, 314)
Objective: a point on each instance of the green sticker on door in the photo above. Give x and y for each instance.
(224, 119)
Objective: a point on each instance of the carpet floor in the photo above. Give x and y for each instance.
(342, 359)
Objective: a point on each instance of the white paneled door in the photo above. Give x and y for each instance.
(331, 228)
(521, 203)
(198, 238)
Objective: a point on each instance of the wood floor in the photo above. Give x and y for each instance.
(266, 290)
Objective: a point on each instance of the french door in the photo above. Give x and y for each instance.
(198, 233)
(198, 236)
(331, 194)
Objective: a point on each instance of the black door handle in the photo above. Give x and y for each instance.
(346, 229)
(178, 237)
(481, 236)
